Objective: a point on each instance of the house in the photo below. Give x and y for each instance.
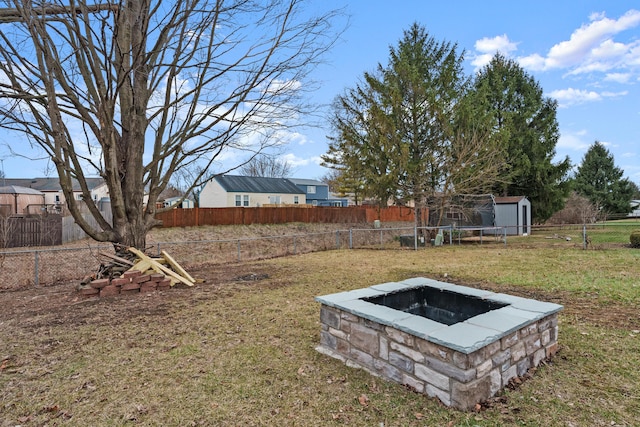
(317, 193)
(635, 209)
(514, 214)
(172, 202)
(52, 191)
(250, 191)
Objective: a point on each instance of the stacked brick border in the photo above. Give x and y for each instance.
(131, 282)
(459, 380)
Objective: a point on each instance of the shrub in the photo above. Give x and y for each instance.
(635, 239)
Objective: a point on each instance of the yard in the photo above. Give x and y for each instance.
(239, 348)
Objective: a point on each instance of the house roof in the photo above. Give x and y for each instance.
(509, 199)
(51, 184)
(299, 181)
(257, 184)
(16, 189)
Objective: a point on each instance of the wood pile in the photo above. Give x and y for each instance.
(132, 271)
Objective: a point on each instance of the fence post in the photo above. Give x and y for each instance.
(350, 238)
(337, 239)
(37, 268)
(504, 232)
(239, 259)
(584, 237)
(415, 237)
(294, 245)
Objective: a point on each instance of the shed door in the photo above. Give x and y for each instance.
(525, 225)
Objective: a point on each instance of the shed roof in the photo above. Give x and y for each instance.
(16, 189)
(509, 199)
(51, 184)
(257, 184)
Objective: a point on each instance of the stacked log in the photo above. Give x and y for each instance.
(144, 274)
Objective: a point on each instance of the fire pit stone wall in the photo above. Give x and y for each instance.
(461, 364)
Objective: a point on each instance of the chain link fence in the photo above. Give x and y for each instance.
(43, 267)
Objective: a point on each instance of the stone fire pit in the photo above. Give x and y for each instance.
(459, 344)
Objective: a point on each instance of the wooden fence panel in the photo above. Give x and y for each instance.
(280, 215)
(35, 230)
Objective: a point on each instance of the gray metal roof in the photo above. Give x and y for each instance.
(16, 189)
(257, 184)
(51, 184)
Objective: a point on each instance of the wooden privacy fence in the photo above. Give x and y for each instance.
(32, 230)
(280, 215)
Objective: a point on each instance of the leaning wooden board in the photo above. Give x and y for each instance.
(155, 265)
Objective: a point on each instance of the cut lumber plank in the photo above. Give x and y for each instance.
(177, 267)
(159, 267)
(116, 258)
(141, 265)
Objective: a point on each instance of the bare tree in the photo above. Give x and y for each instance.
(136, 91)
(267, 166)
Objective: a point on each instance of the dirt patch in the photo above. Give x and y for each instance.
(59, 303)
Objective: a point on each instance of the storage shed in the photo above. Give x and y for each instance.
(514, 214)
(16, 200)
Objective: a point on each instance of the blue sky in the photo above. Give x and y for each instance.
(585, 54)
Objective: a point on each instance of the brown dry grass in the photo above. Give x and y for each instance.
(234, 351)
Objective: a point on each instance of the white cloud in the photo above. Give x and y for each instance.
(571, 96)
(495, 44)
(618, 77)
(590, 41)
(628, 155)
(533, 62)
(591, 47)
(487, 47)
(296, 161)
(573, 141)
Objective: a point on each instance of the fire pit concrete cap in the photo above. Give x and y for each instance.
(467, 336)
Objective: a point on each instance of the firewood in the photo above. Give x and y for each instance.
(117, 259)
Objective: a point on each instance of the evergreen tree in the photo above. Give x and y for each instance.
(405, 133)
(525, 127)
(602, 183)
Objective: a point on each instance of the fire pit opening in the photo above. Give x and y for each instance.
(439, 305)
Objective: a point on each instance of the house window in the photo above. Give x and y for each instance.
(245, 200)
(311, 189)
(238, 200)
(296, 200)
(79, 197)
(274, 200)
(57, 199)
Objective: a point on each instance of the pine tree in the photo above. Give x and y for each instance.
(602, 183)
(525, 127)
(406, 133)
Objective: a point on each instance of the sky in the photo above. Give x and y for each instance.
(585, 54)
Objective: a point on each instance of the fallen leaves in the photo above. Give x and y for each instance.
(363, 400)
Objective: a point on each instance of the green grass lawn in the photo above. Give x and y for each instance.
(234, 353)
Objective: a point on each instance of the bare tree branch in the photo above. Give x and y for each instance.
(135, 91)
